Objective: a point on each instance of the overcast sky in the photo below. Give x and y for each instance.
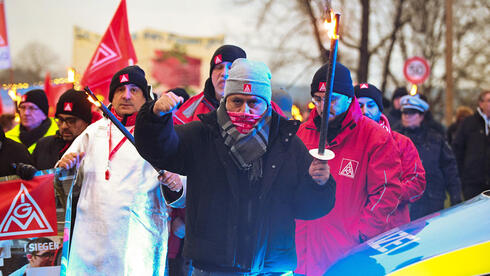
(51, 21)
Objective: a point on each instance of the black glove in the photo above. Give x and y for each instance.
(25, 171)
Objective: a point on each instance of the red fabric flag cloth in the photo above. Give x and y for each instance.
(27, 208)
(115, 51)
(176, 69)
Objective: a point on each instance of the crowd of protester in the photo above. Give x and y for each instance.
(255, 200)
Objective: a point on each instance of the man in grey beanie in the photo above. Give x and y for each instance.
(249, 176)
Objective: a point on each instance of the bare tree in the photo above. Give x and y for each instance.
(37, 59)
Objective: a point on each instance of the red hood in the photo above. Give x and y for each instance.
(383, 121)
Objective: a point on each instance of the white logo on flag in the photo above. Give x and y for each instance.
(105, 54)
(322, 86)
(218, 59)
(247, 88)
(364, 85)
(68, 107)
(2, 41)
(348, 167)
(23, 211)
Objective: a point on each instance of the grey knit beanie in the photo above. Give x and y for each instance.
(249, 77)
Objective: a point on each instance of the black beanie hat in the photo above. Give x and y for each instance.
(342, 81)
(226, 53)
(370, 91)
(75, 103)
(130, 75)
(37, 97)
(399, 92)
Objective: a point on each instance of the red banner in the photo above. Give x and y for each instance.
(27, 208)
(174, 69)
(114, 52)
(4, 45)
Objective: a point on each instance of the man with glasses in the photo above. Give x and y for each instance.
(366, 169)
(34, 122)
(73, 115)
(40, 252)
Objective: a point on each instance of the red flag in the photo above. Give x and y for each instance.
(4, 46)
(53, 92)
(115, 51)
(27, 208)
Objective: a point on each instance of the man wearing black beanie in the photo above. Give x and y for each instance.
(73, 115)
(413, 174)
(208, 100)
(366, 168)
(120, 209)
(34, 122)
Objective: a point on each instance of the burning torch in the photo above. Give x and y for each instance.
(332, 24)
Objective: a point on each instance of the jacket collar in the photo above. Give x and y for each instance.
(351, 120)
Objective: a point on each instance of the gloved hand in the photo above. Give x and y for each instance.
(25, 171)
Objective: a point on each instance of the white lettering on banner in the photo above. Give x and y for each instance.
(106, 54)
(393, 241)
(348, 167)
(44, 246)
(24, 208)
(2, 41)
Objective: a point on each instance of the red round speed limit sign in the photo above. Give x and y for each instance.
(416, 70)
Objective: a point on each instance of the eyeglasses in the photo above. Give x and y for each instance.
(69, 121)
(317, 100)
(45, 254)
(28, 108)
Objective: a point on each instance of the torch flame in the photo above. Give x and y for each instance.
(90, 99)
(331, 26)
(296, 113)
(13, 95)
(71, 75)
(413, 90)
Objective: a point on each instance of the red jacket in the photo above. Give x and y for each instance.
(412, 178)
(198, 104)
(366, 169)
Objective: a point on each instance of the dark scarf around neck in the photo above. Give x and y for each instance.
(210, 93)
(334, 126)
(30, 137)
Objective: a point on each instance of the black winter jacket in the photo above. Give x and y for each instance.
(440, 166)
(472, 150)
(232, 225)
(11, 152)
(48, 151)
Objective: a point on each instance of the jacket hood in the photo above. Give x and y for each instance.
(383, 121)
